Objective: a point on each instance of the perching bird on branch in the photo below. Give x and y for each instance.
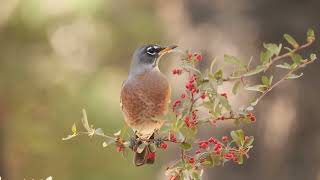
(145, 95)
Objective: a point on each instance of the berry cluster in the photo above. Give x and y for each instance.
(177, 71)
(251, 116)
(191, 123)
(194, 56)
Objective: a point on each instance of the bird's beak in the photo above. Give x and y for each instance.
(166, 49)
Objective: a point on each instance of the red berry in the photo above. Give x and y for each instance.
(176, 103)
(187, 121)
(151, 155)
(203, 144)
(189, 86)
(221, 118)
(198, 57)
(224, 94)
(177, 71)
(194, 90)
(235, 159)
(173, 178)
(192, 78)
(120, 148)
(183, 95)
(173, 138)
(225, 138)
(213, 140)
(203, 96)
(191, 160)
(217, 149)
(198, 151)
(163, 145)
(228, 156)
(251, 116)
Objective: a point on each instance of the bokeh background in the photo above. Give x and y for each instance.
(59, 56)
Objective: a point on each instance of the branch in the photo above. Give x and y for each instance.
(284, 78)
(270, 63)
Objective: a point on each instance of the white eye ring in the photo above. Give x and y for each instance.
(152, 53)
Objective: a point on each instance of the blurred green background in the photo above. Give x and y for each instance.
(59, 56)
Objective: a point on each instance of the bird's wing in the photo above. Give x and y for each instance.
(136, 104)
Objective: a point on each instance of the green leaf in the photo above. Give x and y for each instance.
(209, 161)
(74, 129)
(265, 56)
(180, 136)
(310, 35)
(48, 178)
(240, 134)
(217, 109)
(235, 87)
(291, 40)
(224, 102)
(99, 132)
(217, 75)
(238, 137)
(208, 105)
(126, 144)
(257, 70)
(186, 146)
(273, 48)
(233, 60)
(118, 133)
(296, 58)
(108, 141)
(313, 57)
(294, 76)
(254, 102)
(240, 159)
(69, 137)
(259, 88)
(152, 147)
(187, 66)
(270, 80)
(84, 121)
(195, 175)
(235, 137)
(284, 66)
(141, 147)
(104, 144)
(265, 80)
(249, 108)
(212, 64)
(248, 141)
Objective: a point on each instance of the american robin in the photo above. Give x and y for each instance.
(145, 96)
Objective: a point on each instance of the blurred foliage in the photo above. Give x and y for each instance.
(58, 57)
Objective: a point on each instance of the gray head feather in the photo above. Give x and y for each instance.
(145, 58)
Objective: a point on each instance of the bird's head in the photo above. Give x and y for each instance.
(146, 58)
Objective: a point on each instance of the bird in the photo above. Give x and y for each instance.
(145, 95)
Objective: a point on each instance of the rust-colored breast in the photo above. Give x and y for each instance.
(143, 97)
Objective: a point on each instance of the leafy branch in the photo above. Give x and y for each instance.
(202, 94)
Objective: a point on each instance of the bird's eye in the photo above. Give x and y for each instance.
(151, 50)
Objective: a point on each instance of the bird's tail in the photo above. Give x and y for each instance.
(144, 157)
